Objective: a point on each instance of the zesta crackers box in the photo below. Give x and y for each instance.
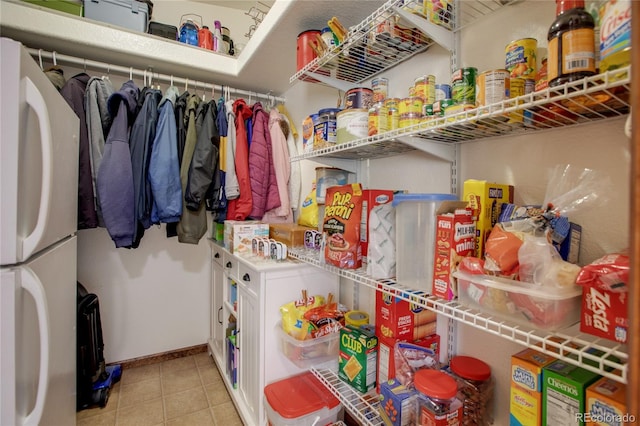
(358, 358)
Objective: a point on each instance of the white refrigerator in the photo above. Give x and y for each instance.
(38, 211)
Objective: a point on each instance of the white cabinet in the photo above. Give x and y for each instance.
(246, 298)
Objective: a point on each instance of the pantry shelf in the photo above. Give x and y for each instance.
(589, 352)
(600, 97)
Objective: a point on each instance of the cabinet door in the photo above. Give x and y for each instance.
(217, 311)
(249, 348)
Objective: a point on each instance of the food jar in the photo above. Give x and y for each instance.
(475, 389)
(437, 403)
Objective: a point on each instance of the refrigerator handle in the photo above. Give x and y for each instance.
(34, 287)
(36, 102)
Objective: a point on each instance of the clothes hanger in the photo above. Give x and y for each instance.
(40, 59)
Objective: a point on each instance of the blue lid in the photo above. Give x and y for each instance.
(326, 30)
(328, 110)
(418, 198)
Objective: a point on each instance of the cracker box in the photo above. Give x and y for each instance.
(454, 239)
(400, 319)
(606, 403)
(386, 355)
(238, 234)
(485, 200)
(358, 358)
(604, 314)
(397, 403)
(525, 406)
(370, 199)
(564, 393)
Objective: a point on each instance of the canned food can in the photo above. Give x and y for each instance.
(393, 122)
(410, 119)
(391, 103)
(425, 87)
(441, 105)
(412, 91)
(410, 105)
(493, 87)
(516, 88)
(378, 119)
(326, 128)
(308, 132)
(352, 124)
(358, 97)
(520, 58)
(450, 110)
(380, 87)
(443, 91)
(427, 111)
(463, 82)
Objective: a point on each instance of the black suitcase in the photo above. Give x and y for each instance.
(90, 360)
(163, 30)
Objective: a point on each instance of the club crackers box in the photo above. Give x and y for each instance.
(397, 317)
(525, 406)
(454, 239)
(370, 199)
(564, 393)
(606, 403)
(358, 358)
(604, 313)
(485, 200)
(429, 347)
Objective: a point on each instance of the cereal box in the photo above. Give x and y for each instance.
(455, 239)
(606, 403)
(370, 199)
(398, 318)
(386, 355)
(358, 358)
(238, 234)
(485, 200)
(604, 313)
(526, 387)
(397, 403)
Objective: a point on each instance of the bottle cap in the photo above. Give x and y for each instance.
(564, 5)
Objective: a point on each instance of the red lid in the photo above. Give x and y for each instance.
(564, 5)
(470, 368)
(299, 396)
(435, 384)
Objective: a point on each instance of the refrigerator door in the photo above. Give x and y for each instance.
(38, 339)
(39, 151)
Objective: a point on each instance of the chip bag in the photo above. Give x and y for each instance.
(309, 211)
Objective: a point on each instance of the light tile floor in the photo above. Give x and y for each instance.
(185, 391)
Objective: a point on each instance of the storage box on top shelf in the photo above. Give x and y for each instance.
(531, 305)
(430, 346)
(485, 200)
(238, 234)
(526, 387)
(605, 313)
(310, 352)
(130, 14)
(397, 317)
(300, 400)
(66, 6)
(454, 240)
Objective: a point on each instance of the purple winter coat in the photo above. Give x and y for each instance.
(264, 186)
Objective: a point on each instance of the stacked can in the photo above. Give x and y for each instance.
(410, 110)
(425, 87)
(393, 114)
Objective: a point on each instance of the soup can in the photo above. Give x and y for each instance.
(410, 119)
(380, 87)
(393, 121)
(326, 132)
(425, 87)
(443, 91)
(378, 119)
(391, 103)
(410, 105)
(463, 85)
(520, 58)
(516, 88)
(441, 105)
(358, 97)
(493, 87)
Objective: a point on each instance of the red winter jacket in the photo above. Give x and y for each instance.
(264, 186)
(240, 208)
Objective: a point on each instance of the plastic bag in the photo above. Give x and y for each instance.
(540, 263)
(309, 211)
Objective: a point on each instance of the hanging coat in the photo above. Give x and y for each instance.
(239, 208)
(231, 187)
(264, 187)
(281, 161)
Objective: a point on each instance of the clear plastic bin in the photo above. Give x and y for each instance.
(520, 302)
(308, 353)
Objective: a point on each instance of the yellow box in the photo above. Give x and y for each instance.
(485, 199)
(525, 407)
(606, 403)
(290, 234)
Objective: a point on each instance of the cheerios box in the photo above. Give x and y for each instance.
(397, 403)
(485, 200)
(239, 233)
(525, 408)
(454, 240)
(358, 358)
(606, 403)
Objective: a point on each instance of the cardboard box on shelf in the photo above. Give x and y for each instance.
(606, 403)
(398, 318)
(357, 360)
(604, 314)
(290, 234)
(238, 234)
(525, 406)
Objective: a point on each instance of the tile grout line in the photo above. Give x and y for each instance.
(204, 389)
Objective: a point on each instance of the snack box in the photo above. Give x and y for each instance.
(130, 14)
(370, 199)
(386, 355)
(238, 234)
(358, 358)
(520, 302)
(300, 400)
(564, 392)
(606, 403)
(485, 200)
(397, 403)
(455, 239)
(290, 234)
(525, 408)
(398, 318)
(310, 352)
(604, 313)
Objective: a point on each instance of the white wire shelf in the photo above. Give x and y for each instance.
(374, 45)
(591, 99)
(589, 352)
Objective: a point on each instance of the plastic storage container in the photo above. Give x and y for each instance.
(475, 389)
(130, 14)
(415, 237)
(326, 177)
(437, 403)
(523, 303)
(67, 6)
(307, 353)
(300, 400)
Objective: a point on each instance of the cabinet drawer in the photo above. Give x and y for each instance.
(230, 264)
(217, 254)
(249, 278)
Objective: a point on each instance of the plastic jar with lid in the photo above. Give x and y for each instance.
(437, 403)
(475, 389)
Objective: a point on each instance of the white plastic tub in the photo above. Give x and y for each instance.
(308, 353)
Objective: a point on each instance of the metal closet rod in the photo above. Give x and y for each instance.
(40, 54)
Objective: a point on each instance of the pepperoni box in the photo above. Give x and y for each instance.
(398, 318)
(606, 403)
(604, 314)
(485, 200)
(526, 387)
(370, 199)
(455, 239)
